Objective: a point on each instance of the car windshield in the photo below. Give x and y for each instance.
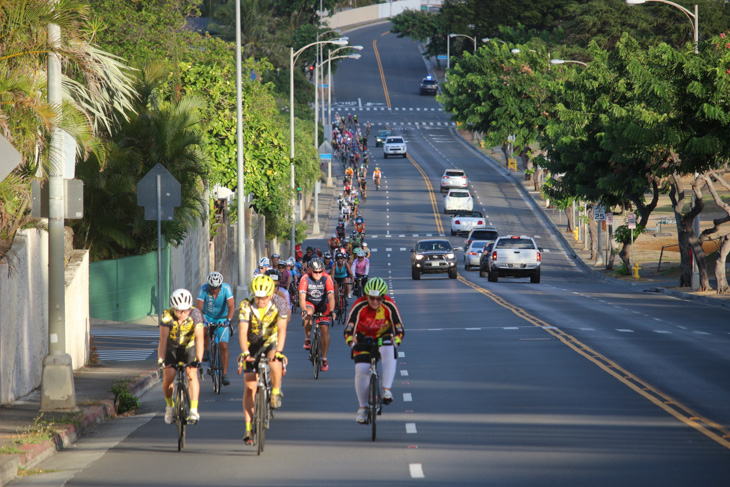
(429, 82)
(478, 244)
(384, 133)
(394, 140)
(485, 234)
(458, 194)
(468, 214)
(515, 243)
(454, 174)
(431, 245)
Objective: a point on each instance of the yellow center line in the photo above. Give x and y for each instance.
(385, 33)
(382, 73)
(684, 414)
(432, 197)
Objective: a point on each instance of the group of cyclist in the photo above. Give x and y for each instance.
(315, 281)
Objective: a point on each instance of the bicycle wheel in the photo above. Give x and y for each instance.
(181, 414)
(373, 396)
(316, 352)
(260, 422)
(215, 366)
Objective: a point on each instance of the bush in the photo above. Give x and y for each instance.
(126, 402)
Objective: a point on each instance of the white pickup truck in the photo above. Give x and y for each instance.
(515, 256)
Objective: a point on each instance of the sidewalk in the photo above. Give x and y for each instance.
(27, 438)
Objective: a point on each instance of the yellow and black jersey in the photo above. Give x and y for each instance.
(182, 334)
(262, 323)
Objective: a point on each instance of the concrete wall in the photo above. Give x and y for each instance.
(24, 315)
(189, 263)
(371, 13)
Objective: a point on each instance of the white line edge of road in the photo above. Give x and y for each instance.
(416, 471)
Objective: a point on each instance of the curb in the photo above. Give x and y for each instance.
(68, 434)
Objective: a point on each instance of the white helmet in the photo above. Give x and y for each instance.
(264, 262)
(215, 279)
(291, 260)
(181, 299)
(360, 253)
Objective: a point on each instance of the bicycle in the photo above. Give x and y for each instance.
(375, 393)
(357, 289)
(294, 295)
(216, 365)
(182, 403)
(262, 412)
(315, 353)
(342, 311)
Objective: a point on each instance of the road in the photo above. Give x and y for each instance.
(570, 382)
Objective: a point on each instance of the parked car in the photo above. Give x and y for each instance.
(465, 221)
(485, 260)
(433, 256)
(429, 86)
(473, 254)
(454, 178)
(395, 145)
(381, 136)
(458, 200)
(515, 256)
(488, 233)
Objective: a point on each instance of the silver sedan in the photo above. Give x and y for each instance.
(473, 253)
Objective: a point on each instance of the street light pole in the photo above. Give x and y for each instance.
(239, 148)
(292, 59)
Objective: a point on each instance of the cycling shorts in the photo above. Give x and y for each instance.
(175, 354)
(324, 308)
(222, 332)
(342, 280)
(252, 367)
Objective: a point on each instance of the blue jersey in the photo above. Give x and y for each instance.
(215, 310)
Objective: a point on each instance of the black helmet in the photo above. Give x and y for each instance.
(316, 265)
(274, 274)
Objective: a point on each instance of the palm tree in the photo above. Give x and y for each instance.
(96, 90)
(159, 131)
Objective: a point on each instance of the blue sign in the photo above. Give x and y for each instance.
(325, 157)
(442, 57)
(324, 86)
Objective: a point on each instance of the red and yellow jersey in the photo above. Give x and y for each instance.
(385, 322)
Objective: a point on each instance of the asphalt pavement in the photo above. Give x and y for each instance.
(127, 353)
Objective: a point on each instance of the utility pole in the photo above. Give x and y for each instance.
(57, 383)
(241, 290)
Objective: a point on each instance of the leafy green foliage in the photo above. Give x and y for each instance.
(622, 234)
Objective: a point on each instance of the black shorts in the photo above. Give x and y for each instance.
(361, 351)
(174, 355)
(341, 280)
(252, 367)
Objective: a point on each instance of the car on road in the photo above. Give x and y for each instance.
(454, 178)
(488, 233)
(515, 256)
(433, 256)
(473, 254)
(458, 200)
(485, 259)
(395, 145)
(429, 86)
(465, 221)
(381, 136)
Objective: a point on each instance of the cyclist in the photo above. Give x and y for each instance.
(361, 266)
(264, 263)
(317, 295)
(362, 173)
(367, 128)
(181, 340)
(309, 255)
(280, 291)
(286, 277)
(354, 118)
(328, 262)
(263, 318)
(216, 302)
(374, 316)
(348, 174)
(343, 275)
(341, 227)
(376, 178)
(364, 248)
(360, 225)
(334, 242)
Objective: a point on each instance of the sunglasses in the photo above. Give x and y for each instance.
(376, 298)
(317, 272)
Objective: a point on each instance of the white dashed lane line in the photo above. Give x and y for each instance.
(416, 471)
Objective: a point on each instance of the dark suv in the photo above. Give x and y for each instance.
(433, 256)
(429, 86)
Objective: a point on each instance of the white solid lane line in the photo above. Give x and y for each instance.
(407, 397)
(411, 428)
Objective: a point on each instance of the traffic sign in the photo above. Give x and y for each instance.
(632, 221)
(170, 195)
(609, 218)
(599, 213)
(325, 157)
(442, 57)
(10, 158)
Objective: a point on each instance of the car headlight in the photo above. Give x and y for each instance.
(419, 256)
(450, 256)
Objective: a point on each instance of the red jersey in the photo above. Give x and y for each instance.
(316, 289)
(383, 322)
